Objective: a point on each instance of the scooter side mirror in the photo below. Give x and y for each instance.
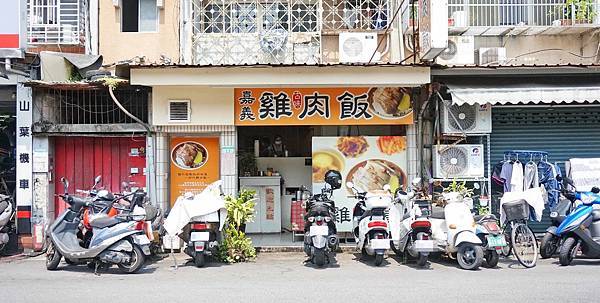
(65, 183)
(97, 181)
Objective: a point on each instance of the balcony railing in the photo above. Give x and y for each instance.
(277, 31)
(54, 21)
(499, 17)
(486, 13)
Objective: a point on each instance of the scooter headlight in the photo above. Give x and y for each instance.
(553, 214)
(311, 219)
(327, 219)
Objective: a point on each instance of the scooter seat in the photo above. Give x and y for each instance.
(596, 215)
(479, 218)
(3, 206)
(437, 213)
(104, 222)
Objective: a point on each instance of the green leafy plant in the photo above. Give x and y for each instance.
(236, 246)
(483, 210)
(581, 10)
(247, 162)
(240, 210)
(459, 187)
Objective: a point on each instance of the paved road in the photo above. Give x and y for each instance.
(282, 277)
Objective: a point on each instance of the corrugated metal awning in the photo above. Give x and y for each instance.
(523, 94)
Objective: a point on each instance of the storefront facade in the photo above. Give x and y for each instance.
(310, 109)
(553, 115)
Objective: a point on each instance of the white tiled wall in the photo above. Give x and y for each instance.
(228, 138)
(411, 148)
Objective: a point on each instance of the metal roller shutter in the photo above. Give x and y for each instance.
(563, 132)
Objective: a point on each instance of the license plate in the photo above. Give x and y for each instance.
(496, 241)
(319, 230)
(141, 240)
(199, 246)
(199, 236)
(380, 243)
(424, 245)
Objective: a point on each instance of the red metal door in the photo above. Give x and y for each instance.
(81, 159)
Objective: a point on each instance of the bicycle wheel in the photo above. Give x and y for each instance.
(506, 250)
(524, 245)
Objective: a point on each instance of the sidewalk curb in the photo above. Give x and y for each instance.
(299, 249)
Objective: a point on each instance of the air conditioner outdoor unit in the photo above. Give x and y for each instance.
(358, 48)
(467, 119)
(492, 55)
(460, 51)
(458, 161)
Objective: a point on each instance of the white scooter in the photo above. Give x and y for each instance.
(453, 229)
(369, 223)
(409, 228)
(7, 213)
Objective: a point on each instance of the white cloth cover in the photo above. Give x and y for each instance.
(189, 206)
(533, 196)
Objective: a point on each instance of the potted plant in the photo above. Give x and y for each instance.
(236, 246)
(247, 164)
(578, 12)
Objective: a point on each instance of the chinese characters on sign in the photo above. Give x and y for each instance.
(194, 164)
(320, 106)
(24, 146)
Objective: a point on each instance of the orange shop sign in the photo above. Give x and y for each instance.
(194, 164)
(323, 106)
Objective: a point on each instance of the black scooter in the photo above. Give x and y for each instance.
(320, 232)
(551, 242)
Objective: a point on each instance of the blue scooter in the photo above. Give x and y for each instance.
(581, 228)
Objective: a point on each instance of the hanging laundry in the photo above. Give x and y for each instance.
(534, 198)
(530, 176)
(516, 181)
(506, 175)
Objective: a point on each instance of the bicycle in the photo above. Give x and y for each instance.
(521, 242)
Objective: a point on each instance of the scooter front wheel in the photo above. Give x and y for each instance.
(491, 259)
(319, 257)
(548, 245)
(568, 251)
(135, 263)
(52, 256)
(470, 256)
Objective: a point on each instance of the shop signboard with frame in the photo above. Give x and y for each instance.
(195, 164)
(370, 162)
(323, 106)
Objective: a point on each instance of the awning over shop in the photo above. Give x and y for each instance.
(523, 94)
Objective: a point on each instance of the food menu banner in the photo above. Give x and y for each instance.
(194, 164)
(368, 162)
(323, 106)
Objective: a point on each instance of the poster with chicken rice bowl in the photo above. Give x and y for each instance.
(370, 162)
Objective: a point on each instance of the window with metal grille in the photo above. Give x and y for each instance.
(54, 21)
(92, 106)
(179, 111)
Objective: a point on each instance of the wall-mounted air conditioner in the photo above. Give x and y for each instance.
(460, 51)
(358, 48)
(468, 119)
(492, 55)
(458, 161)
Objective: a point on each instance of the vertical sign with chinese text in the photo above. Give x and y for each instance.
(24, 146)
(323, 106)
(195, 163)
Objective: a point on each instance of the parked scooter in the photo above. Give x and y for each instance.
(320, 233)
(116, 240)
(550, 243)
(491, 238)
(410, 229)
(198, 220)
(581, 228)
(453, 229)
(369, 223)
(7, 213)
